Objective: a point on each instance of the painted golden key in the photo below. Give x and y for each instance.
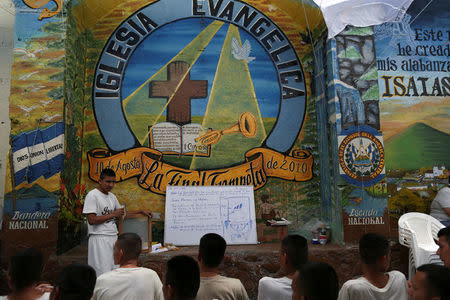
(246, 125)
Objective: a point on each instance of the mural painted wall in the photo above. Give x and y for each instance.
(222, 93)
(37, 128)
(390, 87)
(193, 93)
(356, 139)
(331, 209)
(164, 92)
(413, 76)
(6, 47)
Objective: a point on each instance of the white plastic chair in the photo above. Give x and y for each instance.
(418, 232)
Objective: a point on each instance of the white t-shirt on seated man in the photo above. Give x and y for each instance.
(275, 288)
(440, 207)
(361, 288)
(101, 208)
(212, 285)
(128, 281)
(375, 283)
(293, 254)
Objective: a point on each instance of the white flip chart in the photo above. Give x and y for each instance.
(192, 212)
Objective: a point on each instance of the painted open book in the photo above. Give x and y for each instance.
(173, 139)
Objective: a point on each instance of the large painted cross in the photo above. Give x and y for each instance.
(179, 108)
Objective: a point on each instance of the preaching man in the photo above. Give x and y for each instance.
(101, 208)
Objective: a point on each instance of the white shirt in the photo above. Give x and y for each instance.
(395, 289)
(221, 288)
(442, 200)
(275, 288)
(101, 204)
(128, 283)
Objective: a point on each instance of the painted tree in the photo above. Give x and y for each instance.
(405, 201)
(77, 99)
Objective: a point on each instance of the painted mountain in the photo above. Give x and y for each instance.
(417, 146)
(31, 199)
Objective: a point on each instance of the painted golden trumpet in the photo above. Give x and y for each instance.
(246, 125)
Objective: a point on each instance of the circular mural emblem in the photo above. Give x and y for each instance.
(206, 83)
(361, 158)
(199, 93)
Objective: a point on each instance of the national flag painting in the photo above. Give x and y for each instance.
(38, 153)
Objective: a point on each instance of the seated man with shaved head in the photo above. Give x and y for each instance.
(129, 281)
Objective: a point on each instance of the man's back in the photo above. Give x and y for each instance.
(221, 287)
(395, 289)
(441, 201)
(128, 283)
(275, 288)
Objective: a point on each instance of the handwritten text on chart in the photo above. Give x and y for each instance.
(193, 211)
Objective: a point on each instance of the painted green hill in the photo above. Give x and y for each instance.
(417, 146)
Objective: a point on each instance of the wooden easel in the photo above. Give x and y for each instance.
(139, 214)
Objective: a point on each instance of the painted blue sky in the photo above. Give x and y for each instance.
(163, 44)
(436, 11)
(422, 15)
(26, 23)
(435, 15)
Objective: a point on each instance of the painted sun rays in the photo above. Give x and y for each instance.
(189, 55)
(232, 93)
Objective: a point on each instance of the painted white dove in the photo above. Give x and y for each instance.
(26, 76)
(24, 51)
(241, 52)
(29, 54)
(27, 110)
(45, 103)
(37, 88)
(272, 8)
(48, 118)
